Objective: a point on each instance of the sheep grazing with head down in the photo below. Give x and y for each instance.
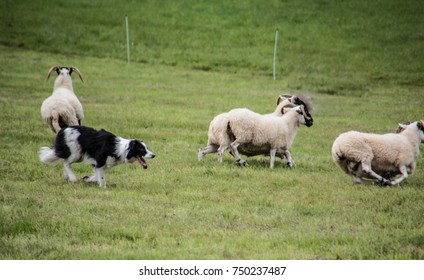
(62, 108)
(219, 138)
(386, 159)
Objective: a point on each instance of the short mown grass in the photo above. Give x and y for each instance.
(361, 66)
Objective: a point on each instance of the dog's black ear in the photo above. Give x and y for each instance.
(134, 149)
(131, 145)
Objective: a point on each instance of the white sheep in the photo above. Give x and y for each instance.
(219, 138)
(250, 150)
(62, 108)
(372, 158)
(270, 132)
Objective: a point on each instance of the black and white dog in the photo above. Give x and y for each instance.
(100, 148)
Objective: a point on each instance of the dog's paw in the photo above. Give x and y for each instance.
(89, 179)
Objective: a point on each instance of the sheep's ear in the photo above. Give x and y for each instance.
(402, 125)
(400, 128)
(420, 125)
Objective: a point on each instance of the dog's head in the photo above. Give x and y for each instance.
(137, 150)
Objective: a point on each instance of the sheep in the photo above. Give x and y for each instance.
(251, 150)
(62, 108)
(218, 137)
(275, 133)
(379, 158)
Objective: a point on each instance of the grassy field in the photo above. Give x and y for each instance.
(360, 62)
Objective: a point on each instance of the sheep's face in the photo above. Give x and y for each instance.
(306, 117)
(420, 125)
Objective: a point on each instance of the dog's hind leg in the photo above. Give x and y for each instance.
(100, 174)
(67, 171)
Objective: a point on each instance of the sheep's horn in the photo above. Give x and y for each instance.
(78, 72)
(54, 68)
(288, 105)
(283, 97)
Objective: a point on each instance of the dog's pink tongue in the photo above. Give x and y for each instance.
(142, 162)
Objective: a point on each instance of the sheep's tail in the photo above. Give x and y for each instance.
(340, 159)
(48, 156)
(59, 121)
(55, 121)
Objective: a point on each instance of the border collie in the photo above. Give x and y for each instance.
(100, 148)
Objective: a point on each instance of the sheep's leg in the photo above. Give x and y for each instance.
(206, 150)
(290, 162)
(69, 174)
(358, 180)
(354, 170)
(221, 151)
(281, 155)
(272, 153)
(100, 174)
(404, 172)
(236, 154)
(367, 169)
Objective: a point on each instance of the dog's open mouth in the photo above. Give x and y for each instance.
(142, 162)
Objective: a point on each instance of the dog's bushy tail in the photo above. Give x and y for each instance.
(48, 156)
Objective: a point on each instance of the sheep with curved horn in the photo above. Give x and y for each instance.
(62, 108)
(274, 133)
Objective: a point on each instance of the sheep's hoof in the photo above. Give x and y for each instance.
(385, 183)
(290, 165)
(241, 162)
(200, 155)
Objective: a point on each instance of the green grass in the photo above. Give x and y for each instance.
(360, 62)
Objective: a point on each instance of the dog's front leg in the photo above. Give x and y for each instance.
(92, 178)
(100, 174)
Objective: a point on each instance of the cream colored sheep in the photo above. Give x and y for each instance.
(372, 158)
(275, 133)
(250, 150)
(62, 108)
(219, 138)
